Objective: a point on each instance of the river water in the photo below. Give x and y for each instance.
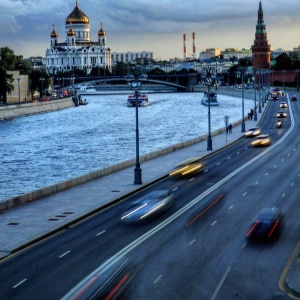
(43, 149)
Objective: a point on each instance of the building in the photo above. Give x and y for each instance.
(237, 55)
(209, 53)
(261, 49)
(21, 91)
(132, 57)
(78, 51)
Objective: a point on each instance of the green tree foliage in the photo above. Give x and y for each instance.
(284, 62)
(39, 81)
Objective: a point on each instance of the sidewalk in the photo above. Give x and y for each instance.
(31, 222)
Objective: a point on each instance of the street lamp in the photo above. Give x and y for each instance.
(242, 72)
(284, 71)
(135, 78)
(42, 79)
(254, 78)
(19, 89)
(207, 72)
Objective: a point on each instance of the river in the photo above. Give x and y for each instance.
(43, 149)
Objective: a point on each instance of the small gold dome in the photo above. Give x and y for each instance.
(54, 34)
(77, 16)
(71, 32)
(101, 32)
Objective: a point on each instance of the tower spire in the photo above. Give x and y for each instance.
(261, 50)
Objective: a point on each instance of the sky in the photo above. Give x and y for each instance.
(151, 25)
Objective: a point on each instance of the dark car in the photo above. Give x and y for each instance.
(281, 114)
(274, 97)
(294, 98)
(148, 206)
(266, 226)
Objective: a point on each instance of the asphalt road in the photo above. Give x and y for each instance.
(195, 250)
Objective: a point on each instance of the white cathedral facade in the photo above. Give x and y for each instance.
(77, 51)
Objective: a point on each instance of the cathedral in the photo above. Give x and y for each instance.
(77, 51)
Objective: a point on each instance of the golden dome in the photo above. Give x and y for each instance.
(101, 32)
(77, 16)
(71, 32)
(54, 34)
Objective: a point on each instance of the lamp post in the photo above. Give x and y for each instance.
(284, 71)
(254, 78)
(19, 89)
(207, 72)
(242, 72)
(134, 77)
(42, 79)
(297, 80)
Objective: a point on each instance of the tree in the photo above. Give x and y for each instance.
(284, 62)
(39, 81)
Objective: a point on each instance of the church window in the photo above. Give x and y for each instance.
(78, 34)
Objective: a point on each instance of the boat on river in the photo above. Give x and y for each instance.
(142, 100)
(87, 90)
(210, 99)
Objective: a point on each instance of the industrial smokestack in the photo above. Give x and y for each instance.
(184, 47)
(194, 45)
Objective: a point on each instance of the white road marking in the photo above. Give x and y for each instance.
(206, 171)
(275, 166)
(231, 206)
(191, 179)
(192, 242)
(256, 183)
(175, 189)
(292, 184)
(229, 157)
(283, 195)
(157, 279)
(21, 282)
(100, 233)
(245, 194)
(218, 164)
(213, 223)
(266, 174)
(220, 284)
(65, 254)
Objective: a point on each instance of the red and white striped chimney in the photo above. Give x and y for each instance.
(184, 46)
(194, 45)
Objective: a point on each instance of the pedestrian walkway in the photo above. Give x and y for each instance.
(26, 224)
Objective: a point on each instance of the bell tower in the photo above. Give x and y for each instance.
(261, 50)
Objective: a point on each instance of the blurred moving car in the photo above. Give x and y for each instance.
(187, 167)
(266, 226)
(283, 105)
(282, 93)
(148, 206)
(261, 140)
(105, 283)
(254, 131)
(281, 114)
(274, 97)
(294, 98)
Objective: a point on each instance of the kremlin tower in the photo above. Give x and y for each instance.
(261, 50)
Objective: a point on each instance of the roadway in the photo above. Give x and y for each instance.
(196, 249)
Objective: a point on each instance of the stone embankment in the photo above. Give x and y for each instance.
(16, 110)
(46, 191)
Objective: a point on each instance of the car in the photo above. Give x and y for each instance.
(266, 226)
(254, 131)
(187, 167)
(283, 105)
(148, 206)
(261, 140)
(281, 114)
(294, 98)
(274, 97)
(282, 93)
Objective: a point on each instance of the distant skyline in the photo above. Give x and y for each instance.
(152, 25)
